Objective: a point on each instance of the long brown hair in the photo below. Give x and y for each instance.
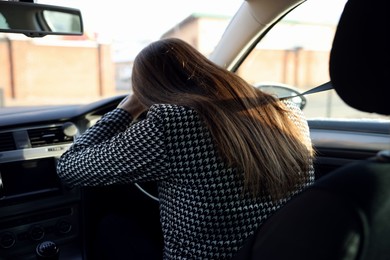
(252, 130)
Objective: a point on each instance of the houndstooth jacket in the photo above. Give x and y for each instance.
(202, 210)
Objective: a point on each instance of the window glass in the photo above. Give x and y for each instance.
(296, 52)
(3, 22)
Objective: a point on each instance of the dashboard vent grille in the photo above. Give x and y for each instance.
(48, 136)
(7, 142)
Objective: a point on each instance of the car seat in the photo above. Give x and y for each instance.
(345, 214)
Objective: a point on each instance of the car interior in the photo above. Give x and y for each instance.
(344, 215)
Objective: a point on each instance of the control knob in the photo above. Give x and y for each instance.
(47, 250)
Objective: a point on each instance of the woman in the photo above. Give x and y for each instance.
(225, 155)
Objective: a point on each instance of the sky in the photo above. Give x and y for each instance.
(129, 25)
(142, 20)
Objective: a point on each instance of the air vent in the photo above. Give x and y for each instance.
(48, 136)
(7, 142)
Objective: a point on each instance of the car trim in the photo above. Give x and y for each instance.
(34, 153)
(335, 139)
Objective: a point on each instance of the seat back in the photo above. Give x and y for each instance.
(345, 215)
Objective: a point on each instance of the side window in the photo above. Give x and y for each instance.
(296, 52)
(3, 22)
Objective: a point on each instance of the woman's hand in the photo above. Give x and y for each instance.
(132, 105)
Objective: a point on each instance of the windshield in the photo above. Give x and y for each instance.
(56, 70)
(67, 70)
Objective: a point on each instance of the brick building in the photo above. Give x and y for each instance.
(54, 71)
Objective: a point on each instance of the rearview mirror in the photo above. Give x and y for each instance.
(38, 20)
(284, 91)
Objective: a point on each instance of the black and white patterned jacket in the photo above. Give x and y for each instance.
(203, 213)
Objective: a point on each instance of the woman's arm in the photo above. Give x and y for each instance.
(113, 151)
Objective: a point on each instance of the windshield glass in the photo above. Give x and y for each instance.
(56, 70)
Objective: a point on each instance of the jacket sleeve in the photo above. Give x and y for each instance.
(113, 151)
(299, 120)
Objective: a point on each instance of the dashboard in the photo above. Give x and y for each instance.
(34, 205)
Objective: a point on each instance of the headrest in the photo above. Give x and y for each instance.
(359, 63)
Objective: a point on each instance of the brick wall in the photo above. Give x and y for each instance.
(301, 68)
(57, 71)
